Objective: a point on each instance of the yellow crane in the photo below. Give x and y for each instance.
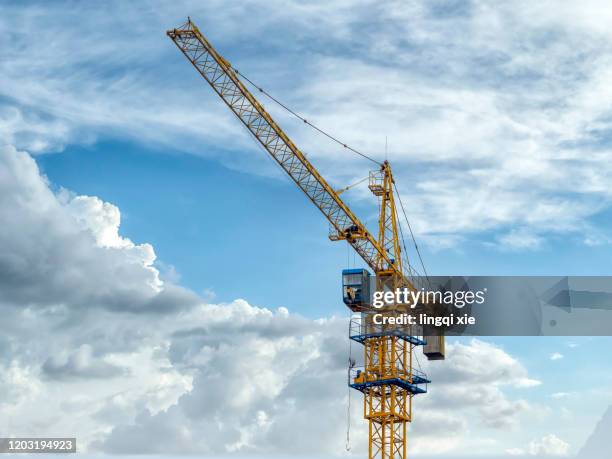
(387, 377)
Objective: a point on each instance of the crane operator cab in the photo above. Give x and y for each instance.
(356, 288)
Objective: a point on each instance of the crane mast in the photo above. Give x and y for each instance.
(387, 378)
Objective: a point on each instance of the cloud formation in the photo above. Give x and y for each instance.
(79, 364)
(78, 257)
(133, 364)
(547, 446)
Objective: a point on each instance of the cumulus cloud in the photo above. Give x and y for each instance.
(78, 257)
(550, 445)
(72, 298)
(472, 381)
(547, 446)
(556, 356)
(79, 364)
(296, 376)
(259, 377)
(149, 370)
(17, 383)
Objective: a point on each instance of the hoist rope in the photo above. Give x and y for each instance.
(348, 409)
(404, 255)
(399, 198)
(348, 421)
(348, 147)
(272, 98)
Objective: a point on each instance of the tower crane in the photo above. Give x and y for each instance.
(387, 379)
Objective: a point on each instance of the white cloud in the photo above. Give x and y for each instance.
(17, 384)
(520, 239)
(467, 405)
(556, 356)
(80, 363)
(73, 300)
(152, 378)
(547, 446)
(295, 370)
(77, 259)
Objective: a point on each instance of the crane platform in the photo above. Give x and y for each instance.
(360, 333)
(360, 380)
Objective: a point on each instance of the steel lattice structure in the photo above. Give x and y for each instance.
(226, 83)
(388, 379)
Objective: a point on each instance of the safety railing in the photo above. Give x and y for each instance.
(363, 327)
(413, 380)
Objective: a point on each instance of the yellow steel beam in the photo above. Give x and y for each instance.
(225, 81)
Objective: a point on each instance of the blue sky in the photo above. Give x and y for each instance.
(498, 124)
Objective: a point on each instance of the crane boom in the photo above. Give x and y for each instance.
(225, 82)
